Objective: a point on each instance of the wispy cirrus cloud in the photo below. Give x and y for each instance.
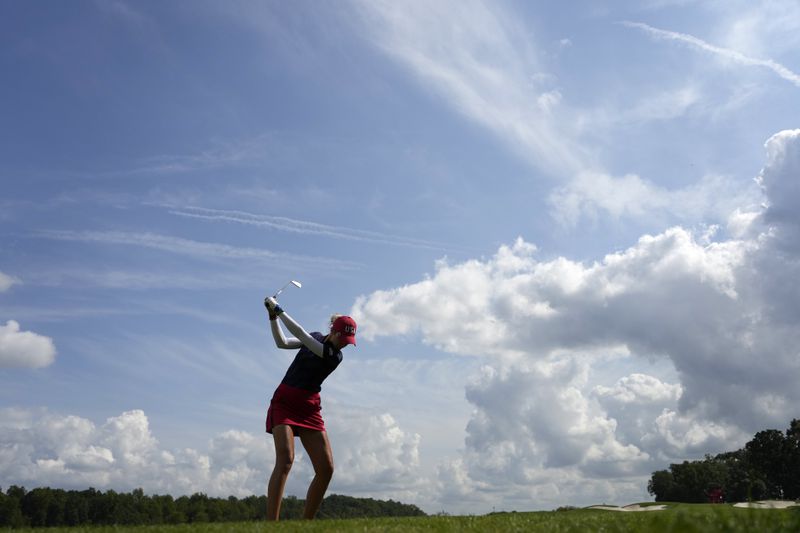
(110, 278)
(220, 154)
(304, 227)
(206, 250)
(727, 53)
(211, 156)
(487, 67)
(713, 197)
(483, 64)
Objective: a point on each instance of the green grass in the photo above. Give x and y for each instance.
(678, 518)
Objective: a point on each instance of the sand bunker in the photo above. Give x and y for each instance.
(630, 508)
(767, 504)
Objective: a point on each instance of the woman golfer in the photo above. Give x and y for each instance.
(295, 406)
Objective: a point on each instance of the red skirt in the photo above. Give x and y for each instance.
(296, 408)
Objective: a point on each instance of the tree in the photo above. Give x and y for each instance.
(767, 467)
(791, 485)
(292, 508)
(76, 509)
(694, 479)
(766, 455)
(171, 511)
(736, 487)
(10, 511)
(35, 505)
(57, 507)
(197, 508)
(662, 486)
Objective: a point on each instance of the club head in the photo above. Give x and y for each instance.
(293, 282)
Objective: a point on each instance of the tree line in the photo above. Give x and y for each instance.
(46, 507)
(768, 467)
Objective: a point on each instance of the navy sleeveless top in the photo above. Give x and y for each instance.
(308, 370)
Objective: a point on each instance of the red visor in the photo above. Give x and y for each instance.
(347, 327)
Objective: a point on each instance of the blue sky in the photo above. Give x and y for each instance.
(568, 236)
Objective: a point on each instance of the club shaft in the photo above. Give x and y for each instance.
(295, 283)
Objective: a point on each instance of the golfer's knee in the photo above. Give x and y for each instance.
(283, 462)
(324, 470)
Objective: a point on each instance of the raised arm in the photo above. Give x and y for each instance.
(277, 332)
(280, 339)
(294, 328)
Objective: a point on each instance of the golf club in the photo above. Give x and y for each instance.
(293, 282)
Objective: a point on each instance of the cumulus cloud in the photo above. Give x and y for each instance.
(372, 452)
(39, 448)
(639, 389)
(722, 313)
(780, 181)
(675, 435)
(42, 448)
(515, 304)
(24, 349)
(547, 421)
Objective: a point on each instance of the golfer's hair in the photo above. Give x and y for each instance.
(334, 316)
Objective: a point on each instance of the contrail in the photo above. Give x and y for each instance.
(304, 227)
(207, 250)
(733, 55)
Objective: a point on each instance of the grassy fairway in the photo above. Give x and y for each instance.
(678, 518)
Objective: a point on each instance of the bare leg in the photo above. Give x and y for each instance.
(284, 457)
(319, 451)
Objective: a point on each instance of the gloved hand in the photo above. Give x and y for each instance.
(272, 307)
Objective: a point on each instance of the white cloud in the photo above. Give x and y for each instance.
(375, 457)
(641, 389)
(740, 222)
(547, 422)
(7, 281)
(495, 307)
(679, 436)
(723, 313)
(635, 402)
(781, 185)
(373, 454)
(549, 100)
(662, 106)
(547, 325)
(24, 348)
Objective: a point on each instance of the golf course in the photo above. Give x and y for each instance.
(673, 517)
(399, 265)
